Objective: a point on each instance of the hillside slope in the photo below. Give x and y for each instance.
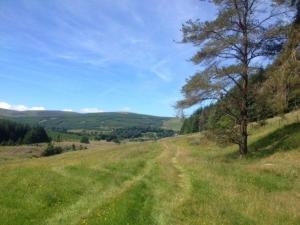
(186, 180)
(88, 121)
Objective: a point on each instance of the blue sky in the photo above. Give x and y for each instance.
(95, 55)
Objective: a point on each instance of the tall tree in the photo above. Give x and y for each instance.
(229, 49)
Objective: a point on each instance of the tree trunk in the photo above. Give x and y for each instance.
(244, 139)
(244, 118)
(245, 76)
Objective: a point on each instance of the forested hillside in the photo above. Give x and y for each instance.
(260, 106)
(90, 121)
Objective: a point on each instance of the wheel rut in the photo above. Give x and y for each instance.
(88, 202)
(178, 179)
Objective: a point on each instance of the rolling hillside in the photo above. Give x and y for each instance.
(89, 121)
(186, 180)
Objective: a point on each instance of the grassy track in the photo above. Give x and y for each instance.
(184, 180)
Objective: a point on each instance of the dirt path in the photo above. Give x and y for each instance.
(177, 179)
(184, 180)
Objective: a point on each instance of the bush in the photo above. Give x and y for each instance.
(117, 141)
(52, 150)
(84, 140)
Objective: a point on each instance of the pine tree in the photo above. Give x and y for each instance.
(229, 47)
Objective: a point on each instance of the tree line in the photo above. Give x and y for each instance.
(132, 133)
(12, 133)
(234, 79)
(259, 108)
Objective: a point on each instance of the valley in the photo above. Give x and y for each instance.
(180, 180)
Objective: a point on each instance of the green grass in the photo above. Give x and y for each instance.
(55, 135)
(186, 180)
(283, 139)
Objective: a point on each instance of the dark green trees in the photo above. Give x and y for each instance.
(12, 133)
(282, 85)
(36, 135)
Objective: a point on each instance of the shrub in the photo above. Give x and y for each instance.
(84, 140)
(117, 141)
(52, 150)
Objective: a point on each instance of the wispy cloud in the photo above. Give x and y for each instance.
(161, 69)
(102, 33)
(21, 107)
(119, 52)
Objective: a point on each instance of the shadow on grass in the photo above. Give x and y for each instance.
(284, 139)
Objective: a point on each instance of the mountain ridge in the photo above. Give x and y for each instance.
(90, 121)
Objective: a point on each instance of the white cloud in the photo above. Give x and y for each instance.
(21, 107)
(39, 108)
(5, 105)
(67, 110)
(91, 110)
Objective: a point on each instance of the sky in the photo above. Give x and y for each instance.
(95, 55)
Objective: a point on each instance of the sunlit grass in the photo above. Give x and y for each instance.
(184, 180)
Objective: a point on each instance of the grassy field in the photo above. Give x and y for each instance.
(183, 180)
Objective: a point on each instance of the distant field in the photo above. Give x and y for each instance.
(63, 136)
(8, 153)
(90, 121)
(186, 180)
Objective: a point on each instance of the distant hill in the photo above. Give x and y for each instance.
(90, 121)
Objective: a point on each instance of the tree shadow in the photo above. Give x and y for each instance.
(284, 139)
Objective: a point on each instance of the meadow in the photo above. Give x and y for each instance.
(186, 180)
